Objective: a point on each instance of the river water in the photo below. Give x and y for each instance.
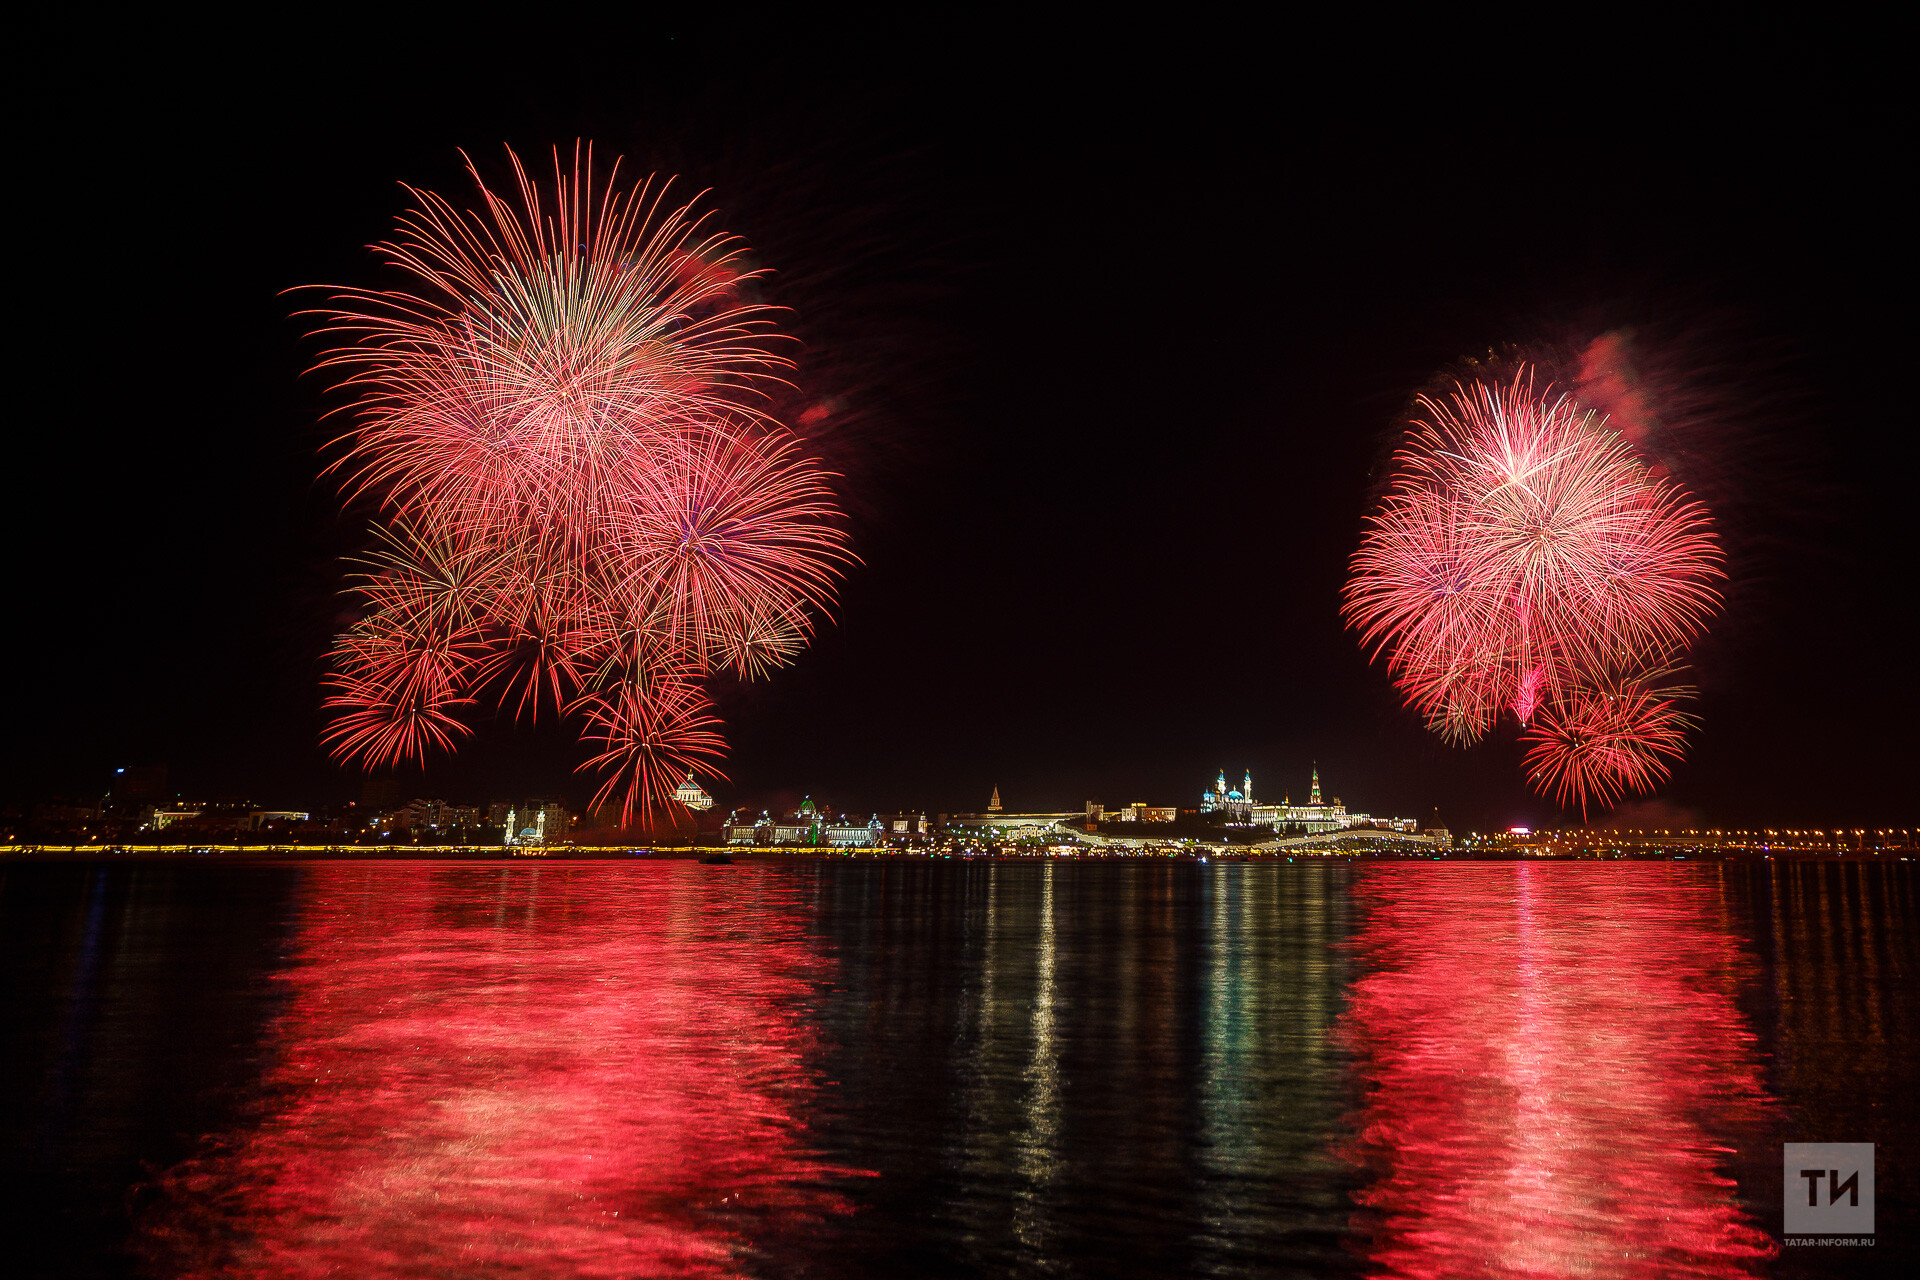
(955, 1068)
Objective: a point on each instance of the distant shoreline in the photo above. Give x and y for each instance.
(740, 854)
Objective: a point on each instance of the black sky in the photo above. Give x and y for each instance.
(1121, 320)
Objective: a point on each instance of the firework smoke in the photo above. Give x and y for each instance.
(1526, 561)
(586, 514)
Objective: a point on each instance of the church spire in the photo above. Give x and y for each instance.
(1315, 798)
(993, 805)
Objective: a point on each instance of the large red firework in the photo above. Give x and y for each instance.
(1524, 557)
(586, 510)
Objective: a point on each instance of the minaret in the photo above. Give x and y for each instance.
(1315, 798)
(1246, 787)
(1220, 784)
(993, 805)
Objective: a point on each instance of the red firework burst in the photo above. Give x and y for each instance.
(1596, 746)
(653, 736)
(1523, 554)
(722, 539)
(588, 511)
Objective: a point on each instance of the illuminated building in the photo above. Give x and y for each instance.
(1315, 815)
(903, 825)
(849, 834)
(435, 815)
(802, 826)
(997, 821)
(1138, 811)
(808, 826)
(537, 822)
(421, 815)
(691, 794)
(1236, 805)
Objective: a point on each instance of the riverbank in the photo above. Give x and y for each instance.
(1188, 853)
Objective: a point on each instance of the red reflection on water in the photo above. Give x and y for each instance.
(586, 1071)
(1557, 1073)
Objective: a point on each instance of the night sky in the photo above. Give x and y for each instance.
(1119, 324)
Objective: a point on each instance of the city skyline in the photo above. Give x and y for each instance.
(141, 812)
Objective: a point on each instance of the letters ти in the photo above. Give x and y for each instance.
(1835, 1187)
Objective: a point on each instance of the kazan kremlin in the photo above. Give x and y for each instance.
(1222, 816)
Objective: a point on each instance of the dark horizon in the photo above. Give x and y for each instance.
(1120, 329)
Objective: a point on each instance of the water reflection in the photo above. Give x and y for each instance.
(1088, 1070)
(1269, 1012)
(591, 1071)
(1108, 1070)
(1558, 1075)
(1840, 956)
(1041, 1133)
(1839, 940)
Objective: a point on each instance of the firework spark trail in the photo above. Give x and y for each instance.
(1525, 557)
(1598, 745)
(587, 512)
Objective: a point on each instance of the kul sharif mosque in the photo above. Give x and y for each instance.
(1240, 806)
